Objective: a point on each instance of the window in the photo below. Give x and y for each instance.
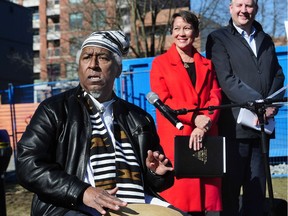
(53, 48)
(57, 51)
(99, 19)
(53, 28)
(35, 16)
(36, 39)
(52, 3)
(71, 71)
(35, 31)
(74, 46)
(53, 52)
(36, 54)
(53, 72)
(75, 20)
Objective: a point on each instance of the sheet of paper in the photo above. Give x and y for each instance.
(248, 118)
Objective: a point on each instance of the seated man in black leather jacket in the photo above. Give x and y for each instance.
(86, 151)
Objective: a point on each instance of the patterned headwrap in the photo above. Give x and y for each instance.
(114, 41)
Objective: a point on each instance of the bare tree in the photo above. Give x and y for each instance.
(146, 22)
(272, 15)
(138, 19)
(148, 27)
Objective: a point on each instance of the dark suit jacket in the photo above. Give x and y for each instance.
(242, 76)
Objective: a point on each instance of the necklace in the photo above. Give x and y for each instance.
(185, 63)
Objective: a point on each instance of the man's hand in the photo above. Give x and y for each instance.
(157, 162)
(271, 112)
(99, 199)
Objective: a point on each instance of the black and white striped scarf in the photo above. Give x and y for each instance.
(114, 165)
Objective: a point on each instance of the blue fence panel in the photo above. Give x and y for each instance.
(21, 94)
(278, 146)
(134, 82)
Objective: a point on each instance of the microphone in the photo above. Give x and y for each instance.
(165, 110)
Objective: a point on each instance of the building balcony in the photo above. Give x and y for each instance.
(31, 3)
(53, 35)
(53, 32)
(53, 7)
(36, 42)
(54, 52)
(36, 24)
(36, 46)
(53, 11)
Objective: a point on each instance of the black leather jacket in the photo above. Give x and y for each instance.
(53, 153)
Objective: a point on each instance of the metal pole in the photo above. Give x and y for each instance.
(260, 111)
(13, 118)
(5, 154)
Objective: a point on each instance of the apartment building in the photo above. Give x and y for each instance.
(59, 27)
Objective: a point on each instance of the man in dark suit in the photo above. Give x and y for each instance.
(247, 69)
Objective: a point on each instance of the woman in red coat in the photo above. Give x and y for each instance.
(182, 78)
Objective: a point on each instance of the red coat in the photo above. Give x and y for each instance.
(170, 80)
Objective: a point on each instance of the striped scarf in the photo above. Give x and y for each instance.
(114, 165)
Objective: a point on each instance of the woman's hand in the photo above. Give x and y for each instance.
(203, 122)
(157, 163)
(195, 140)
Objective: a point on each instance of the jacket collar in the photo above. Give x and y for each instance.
(79, 91)
(259, 34)
(201, 65)
(174, 56)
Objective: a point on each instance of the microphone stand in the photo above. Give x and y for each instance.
(259, 108)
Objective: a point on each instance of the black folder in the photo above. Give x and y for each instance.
(209, 161)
